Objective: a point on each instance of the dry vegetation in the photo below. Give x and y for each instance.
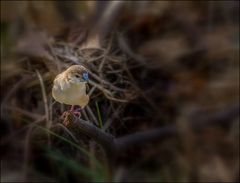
(164, 90)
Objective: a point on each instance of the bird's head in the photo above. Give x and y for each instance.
(77, 74)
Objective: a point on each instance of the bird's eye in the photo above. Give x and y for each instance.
(77, 76)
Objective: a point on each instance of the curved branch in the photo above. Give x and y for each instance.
(101, 137)
(139, 138)
(114, 145)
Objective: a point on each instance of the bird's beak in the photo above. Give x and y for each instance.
(85, 76)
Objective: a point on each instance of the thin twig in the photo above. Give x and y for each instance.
(27, 145)
(92, 90)
(101, 80)
(116, 99)
(100, 87)
(26, 152)
(109, 121)
(48, 122)
(26, 113)
(15, 88)
(105, 55)
(66, 130)
(85, 115)
(92, 115)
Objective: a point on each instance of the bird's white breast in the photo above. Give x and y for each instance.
(69, 93)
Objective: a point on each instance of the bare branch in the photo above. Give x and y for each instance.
(127, 141)
(87, 128)
(114, 145)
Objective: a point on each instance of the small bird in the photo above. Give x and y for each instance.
(70, 86)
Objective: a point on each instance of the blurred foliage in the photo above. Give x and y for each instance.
(151, 64)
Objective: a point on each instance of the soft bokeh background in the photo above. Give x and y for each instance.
(153, 64)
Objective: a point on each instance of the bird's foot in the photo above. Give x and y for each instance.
(76, 113)
(65, 116)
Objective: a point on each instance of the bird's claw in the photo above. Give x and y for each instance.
(66, 114)
(77, 113)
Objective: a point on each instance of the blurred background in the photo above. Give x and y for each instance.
(153, 64)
